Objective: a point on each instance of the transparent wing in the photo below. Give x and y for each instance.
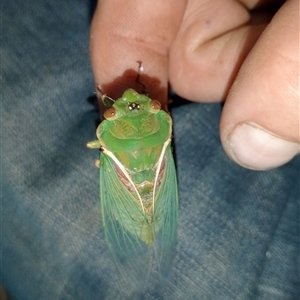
(166, 216)
(123, 221)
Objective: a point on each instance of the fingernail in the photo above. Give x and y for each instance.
(255, 148)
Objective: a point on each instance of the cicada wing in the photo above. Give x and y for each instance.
(166, 216)
(123, 221)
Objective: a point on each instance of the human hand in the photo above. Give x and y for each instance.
(211, 51)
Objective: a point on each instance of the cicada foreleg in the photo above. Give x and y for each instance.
(95, 145)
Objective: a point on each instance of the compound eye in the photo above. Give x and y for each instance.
(110, 113)
(155, 105)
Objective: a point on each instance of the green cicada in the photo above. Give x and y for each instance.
(138, 186)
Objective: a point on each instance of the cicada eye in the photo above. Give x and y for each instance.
(155, 105)
(110, 113)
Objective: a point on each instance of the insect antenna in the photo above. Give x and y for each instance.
(106, 100)
(145, 91)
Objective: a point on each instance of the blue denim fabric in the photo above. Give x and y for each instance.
(238, 235)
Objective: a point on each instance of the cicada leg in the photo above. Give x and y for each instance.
(97, 163)
(94, 144)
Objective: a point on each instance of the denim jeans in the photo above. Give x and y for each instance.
(238, 235)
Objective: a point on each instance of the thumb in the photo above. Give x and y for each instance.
(260, 121)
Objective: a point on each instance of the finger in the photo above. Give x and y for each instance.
(124, 32)
(212, 43)
(260, 120)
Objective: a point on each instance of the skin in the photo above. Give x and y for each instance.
(245, 53)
